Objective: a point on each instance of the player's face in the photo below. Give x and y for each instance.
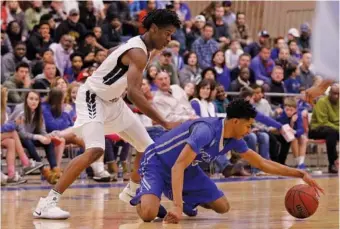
(162, 36)
(242, 127)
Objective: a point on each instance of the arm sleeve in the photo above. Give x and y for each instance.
(267, 120)
(195, 105)
(201, 135)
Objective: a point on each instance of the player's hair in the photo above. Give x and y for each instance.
(290, 102)
(161, 18)
(240, 109)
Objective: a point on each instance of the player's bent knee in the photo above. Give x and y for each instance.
(95, 153)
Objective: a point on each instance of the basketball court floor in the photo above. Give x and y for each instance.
(256, 203)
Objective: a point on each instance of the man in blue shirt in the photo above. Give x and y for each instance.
(169, 166)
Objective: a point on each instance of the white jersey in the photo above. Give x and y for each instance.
(109, 81)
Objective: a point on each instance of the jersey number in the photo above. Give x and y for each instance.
(116, 73)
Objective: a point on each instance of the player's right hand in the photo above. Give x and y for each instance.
(171, 125)
(311, 182)
(173, 216)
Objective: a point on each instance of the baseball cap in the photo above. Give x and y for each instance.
(73, 12)
(167, 52)
(294, 32)
(305, 27)
(264, 33)
(200, 18)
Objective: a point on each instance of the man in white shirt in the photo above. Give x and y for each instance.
(171, 100)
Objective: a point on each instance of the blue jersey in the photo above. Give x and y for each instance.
(204, 135)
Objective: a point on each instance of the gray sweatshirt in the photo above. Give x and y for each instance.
(26, 130)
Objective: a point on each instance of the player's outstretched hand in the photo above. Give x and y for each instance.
(311, 182)
(173, 216)
(171, 125)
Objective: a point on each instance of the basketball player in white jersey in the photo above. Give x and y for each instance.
(325, 47)
(101, 110)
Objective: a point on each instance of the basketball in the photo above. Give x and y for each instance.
(301, 201)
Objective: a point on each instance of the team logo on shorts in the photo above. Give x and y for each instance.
(91, 104)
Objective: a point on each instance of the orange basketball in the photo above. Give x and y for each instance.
(301, 201)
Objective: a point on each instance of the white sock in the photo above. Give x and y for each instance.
(302, 160)
(133, 186)
(297, 159)
(54, 195)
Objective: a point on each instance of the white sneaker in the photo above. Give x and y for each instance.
(47, 209)
(127, 194)
(103, 176)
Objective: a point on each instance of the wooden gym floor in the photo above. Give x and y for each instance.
(256, 203)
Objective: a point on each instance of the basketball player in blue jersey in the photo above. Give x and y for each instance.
(170, 165)
(101, 109)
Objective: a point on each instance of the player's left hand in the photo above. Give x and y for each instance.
(311, 182)
(173, 216)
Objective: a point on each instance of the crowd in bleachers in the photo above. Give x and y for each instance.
(57, 45)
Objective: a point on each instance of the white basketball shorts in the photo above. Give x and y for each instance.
(96, 118)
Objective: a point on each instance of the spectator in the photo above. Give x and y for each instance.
(6, 46)
(242, 81)
(293, 34)
(11, 60)
(243, 62)
(164, 64)
(276, 85)
(99, 57)
(171, 101)
(38, 41)
(151, 73)
(221, 100)
(189, 89)
(254, 48)
(240, 31)
(325, 124)
(191, 72)
(14, 13)
(262, 65)
(232, 55)
(88, 15)
(88, 48)
(151, 5)
(229, 17)
(209, 73)
(223, 74)
(293, 84)
(220, 26)
(306, 76)
(294, 50)
(279, 43)
(182, 10)
(10, 140)
(20, 80)
(189, 33)
(205, 46)
(71, 26)
(198, 26)
(57, 12)
(304, 40)
(34, 13)
(14, 33)
(285, 61)
(44, 80)
(33, 133)
(62, 52)
(177, 59)
(72, 91)
(129, 27)
(50, 20)
(72, 73)
(202, 103)
(293, 118)
(180, 37)
(111, 35)
(38, 65)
